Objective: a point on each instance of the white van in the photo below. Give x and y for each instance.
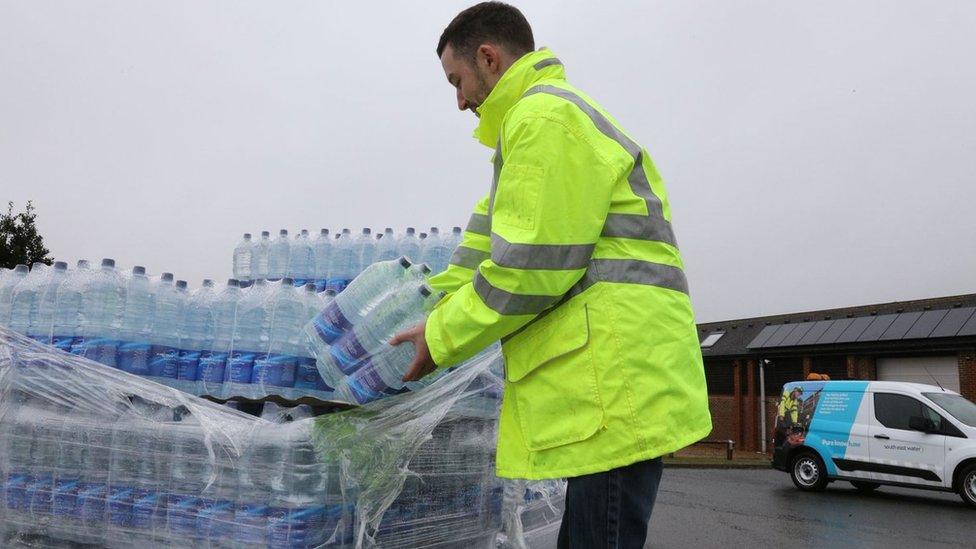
(874, 433)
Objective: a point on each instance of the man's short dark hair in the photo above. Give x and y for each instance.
(488, 22)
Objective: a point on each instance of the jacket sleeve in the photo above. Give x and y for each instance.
(549, 206)
(475, 247)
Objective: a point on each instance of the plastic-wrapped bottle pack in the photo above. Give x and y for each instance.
(94, 455)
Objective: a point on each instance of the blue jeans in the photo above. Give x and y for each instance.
(610, 509)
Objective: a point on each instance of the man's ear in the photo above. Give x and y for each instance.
(491, 57)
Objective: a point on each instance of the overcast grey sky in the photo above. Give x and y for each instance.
(815, 156)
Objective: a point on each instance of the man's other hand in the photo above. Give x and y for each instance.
(422, 363)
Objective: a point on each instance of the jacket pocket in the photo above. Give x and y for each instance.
(553, 381)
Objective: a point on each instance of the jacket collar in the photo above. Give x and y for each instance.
(530, 69)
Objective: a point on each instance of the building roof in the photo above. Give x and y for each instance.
(917, 325)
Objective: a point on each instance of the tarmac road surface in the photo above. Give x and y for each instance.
(730, 508)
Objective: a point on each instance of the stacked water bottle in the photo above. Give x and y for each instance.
(350, 336)
(332, 261)
(223, 343)
(120, 478)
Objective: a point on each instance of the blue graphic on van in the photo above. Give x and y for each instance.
(819, 416)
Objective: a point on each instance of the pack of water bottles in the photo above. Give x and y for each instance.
(94, 456)
(331, 262)
(223, 342)
(350, 336)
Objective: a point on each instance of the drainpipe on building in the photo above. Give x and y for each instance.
(762, 402)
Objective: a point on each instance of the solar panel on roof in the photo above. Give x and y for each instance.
(953, 322)
(969, 328)
(775, 339)
(926, 323)
(815, 332)
(835, 330)
(876, 328)
(796, 334)
(762, 337)
(900, 326)
(855, 329)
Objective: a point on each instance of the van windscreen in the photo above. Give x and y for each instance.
(959, 407)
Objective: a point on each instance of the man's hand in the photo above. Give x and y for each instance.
(422, 363)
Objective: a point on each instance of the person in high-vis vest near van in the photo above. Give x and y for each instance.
(571, 261)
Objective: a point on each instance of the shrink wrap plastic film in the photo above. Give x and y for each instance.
(91, 456)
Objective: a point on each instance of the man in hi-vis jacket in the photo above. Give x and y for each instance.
(570, 261)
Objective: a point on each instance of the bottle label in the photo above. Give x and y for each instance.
(91, 499)
(66, 498)
(331, 323)
(276, 370)
(183, 511)
(164, 361)
(40, 492)
(252, 523)
(187, 363)
(301, 527)
(366, 388)
(307, 376)
(134, 357)
(120, 506)
(63, 343)
(15, 490)
(336, 284)
(348, 353)
(216, 520)
(212, 365)
(240, 365)
(143, 507)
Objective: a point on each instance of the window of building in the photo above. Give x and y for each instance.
(711, 339)
(894, 411)
(720, 378)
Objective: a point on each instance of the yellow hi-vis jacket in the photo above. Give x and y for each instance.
(571, 261)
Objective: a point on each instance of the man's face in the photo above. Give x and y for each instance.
(470, 81)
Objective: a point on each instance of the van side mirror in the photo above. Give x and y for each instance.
(923, 424)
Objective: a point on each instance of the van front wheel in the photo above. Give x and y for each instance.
(808, 472)
(967, 485)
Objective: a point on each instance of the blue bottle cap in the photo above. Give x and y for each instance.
(82, 264)
(404, 262)
(21, 268)
(233, 282)
(247, 236)
(265, 234)
(61, 265)
(208, 282)
(411, 230)
(167, 277)
(287, 281)
(108, 262)
(283, 232)
(181, 284)
(367, 230)
(138, 270)
(324, 231)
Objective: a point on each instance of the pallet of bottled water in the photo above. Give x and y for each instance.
(94, 456)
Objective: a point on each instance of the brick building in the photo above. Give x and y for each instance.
(926, 341)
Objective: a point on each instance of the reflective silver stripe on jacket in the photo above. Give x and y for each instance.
(479, 224)
(553, 257)
(546, 63)
(469, 258)
(504, 302)
(621, 271)
(650, 227)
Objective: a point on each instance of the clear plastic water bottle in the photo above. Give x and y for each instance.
(196, 335)
(406, 306)
(250, 338)
(7, 292)
(364, 247)
(191, 472)
(42, 323)
(438, 250)
(379, 376)
(25, 298)
(164, 355)
(386, 246)
(301, 264)
(260, 257)
(210, 372)
(278, 256)
(350, 306)
(408, 245)
(341, 270)
(104, 300)
(67, 310)
(274, 370)
(243, 257)
(137, 321)
(322, 246)
(297, 516)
